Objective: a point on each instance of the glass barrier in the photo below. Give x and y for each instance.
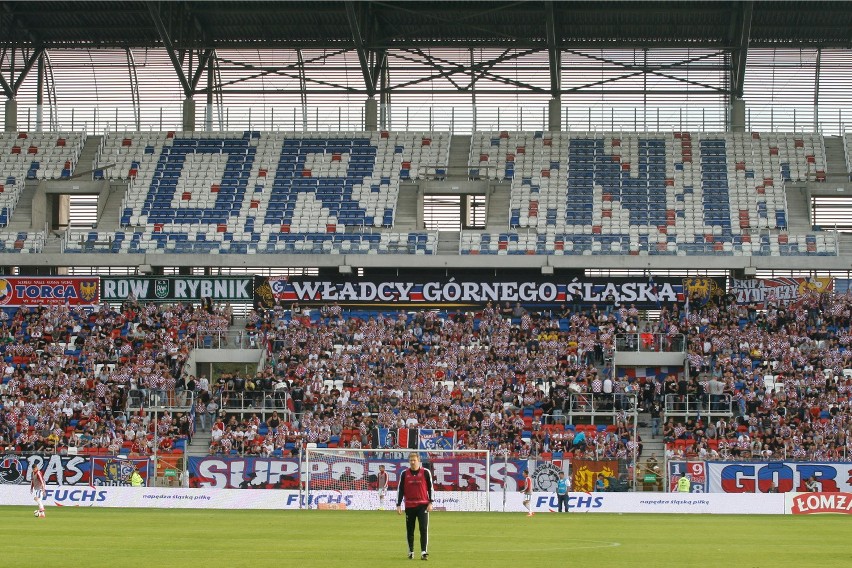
(696, 405)
(650, 342)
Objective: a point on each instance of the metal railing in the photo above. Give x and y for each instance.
(459, 119)
(255, 401)
(230, 340)
(698, 405)
(162, 400)
(650, 343)
(599, 404)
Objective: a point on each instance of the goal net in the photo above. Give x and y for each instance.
(349, 478)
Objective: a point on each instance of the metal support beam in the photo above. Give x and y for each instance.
(554, 53)
(739, 55)
(202, 65)
(355, 25)
(31, 60)
(7, 90)
(170, 48)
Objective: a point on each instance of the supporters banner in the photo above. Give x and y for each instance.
(391, 438)
(111, 470)
(779, 291)
(16, 291)
(586, 473)
(748, 477)
(284, 473)
(696, 471)
(70, 470)
(453, 292)
(436, 439)
(177, 288)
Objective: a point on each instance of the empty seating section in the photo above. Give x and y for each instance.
(21, 242)
(34, 156)
(268, 191)
(676, 193)
(283, 243)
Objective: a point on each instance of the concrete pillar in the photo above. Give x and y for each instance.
(554, 114)
(11, 115)
(188, 114)
(738, 114)
(371, 115)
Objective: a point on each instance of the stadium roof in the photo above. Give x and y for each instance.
(383, 25)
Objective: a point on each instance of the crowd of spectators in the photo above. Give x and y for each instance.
(769, 383)
(68, 374)
(500, 377)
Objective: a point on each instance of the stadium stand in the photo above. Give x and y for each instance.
(677, 193)
(265, 192)
(433, 370)
(69, 376)
(499, 381)
(34, 156)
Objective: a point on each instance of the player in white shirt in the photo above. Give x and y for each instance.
(527, 490)
(37, 488)
(382, 486)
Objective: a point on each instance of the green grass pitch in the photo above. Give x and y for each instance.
(93, 537)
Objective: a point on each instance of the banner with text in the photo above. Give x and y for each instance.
(284, 473)
(747, 477)
(70, 470)
(177, 288)
(817, 503)
(452, 292)
(236, 499)
(16, 291)
(778, 291)
(696, 471)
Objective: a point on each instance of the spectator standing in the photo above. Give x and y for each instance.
(562, 493)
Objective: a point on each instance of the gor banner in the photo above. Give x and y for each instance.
(748, 477)
(452, 292)
(177, 288)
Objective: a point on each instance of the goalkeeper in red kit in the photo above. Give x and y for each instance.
(415, 488)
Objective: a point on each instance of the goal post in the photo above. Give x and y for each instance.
(338, 478)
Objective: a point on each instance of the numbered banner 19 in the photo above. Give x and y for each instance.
(695, 470)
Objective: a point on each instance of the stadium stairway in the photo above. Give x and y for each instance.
(200, 445)
(497, 214)
(88, 155)
(798, 214)
(109, 216)
(835, 160)
(406, 207)
(650, 445)
(448, 242)
(22, 218)
(457, 167)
